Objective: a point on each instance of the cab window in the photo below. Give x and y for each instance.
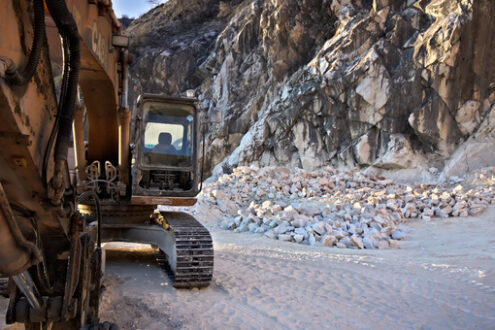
(168, 138)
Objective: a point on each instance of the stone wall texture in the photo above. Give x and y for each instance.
(386, 84)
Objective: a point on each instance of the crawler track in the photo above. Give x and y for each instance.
(183, 246)
(194, 251)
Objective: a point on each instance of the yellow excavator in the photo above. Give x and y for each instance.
(72, 176)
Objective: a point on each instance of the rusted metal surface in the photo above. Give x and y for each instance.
(122, 212)
(27, 114)
(99, 79)
(27, 118)
(169, 201)
(16, 253)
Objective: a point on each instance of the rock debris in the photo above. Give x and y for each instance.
(331, 207)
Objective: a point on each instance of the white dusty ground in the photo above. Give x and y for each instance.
(443, 277)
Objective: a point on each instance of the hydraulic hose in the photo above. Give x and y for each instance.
(68, 29)
(63, 90)
(87, 196)
(12, 73)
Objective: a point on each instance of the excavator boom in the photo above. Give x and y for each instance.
(71, 178)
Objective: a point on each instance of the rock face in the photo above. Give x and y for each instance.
(307, 83)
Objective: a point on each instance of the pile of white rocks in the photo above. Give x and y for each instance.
(347, 209)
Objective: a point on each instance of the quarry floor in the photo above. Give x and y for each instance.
(443, 277)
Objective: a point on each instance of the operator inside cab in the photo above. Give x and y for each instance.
(164, 145)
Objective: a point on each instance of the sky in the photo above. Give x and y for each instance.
(132, 8)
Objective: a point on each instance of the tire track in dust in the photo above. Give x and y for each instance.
(402, 288)
(256, 288)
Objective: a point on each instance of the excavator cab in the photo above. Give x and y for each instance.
(164, 171)
(164, 157)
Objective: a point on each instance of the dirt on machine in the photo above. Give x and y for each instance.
(72, 173)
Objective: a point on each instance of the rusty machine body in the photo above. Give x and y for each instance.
(63, 84)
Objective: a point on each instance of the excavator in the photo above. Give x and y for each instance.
(72, 174)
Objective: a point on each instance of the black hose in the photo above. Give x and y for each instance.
(61, 98)
(86, 197)
(12, 73)
(67, 26)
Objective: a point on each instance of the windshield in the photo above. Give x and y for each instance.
(168, 138)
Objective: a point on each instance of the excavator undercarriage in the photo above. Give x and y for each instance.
(72, 174)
